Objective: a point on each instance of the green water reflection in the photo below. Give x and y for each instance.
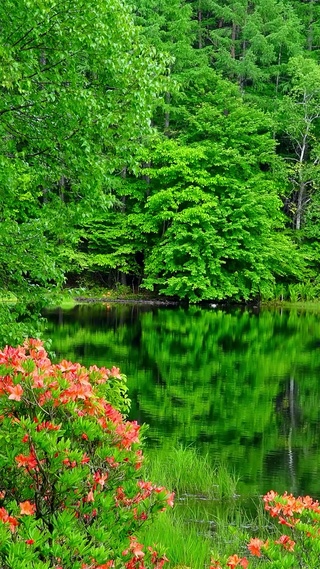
(242, 387)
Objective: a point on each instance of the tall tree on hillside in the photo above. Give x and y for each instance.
(169, 27)
(77, 87)
(299, 120)
(213, 216)
(113, 242)
(253, 41)
(203, 220)
(309, 13)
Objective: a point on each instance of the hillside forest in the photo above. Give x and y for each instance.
(170, 146)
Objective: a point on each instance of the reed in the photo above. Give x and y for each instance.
(187, 472)
(209, 519)
(187, 533)
(184, 543)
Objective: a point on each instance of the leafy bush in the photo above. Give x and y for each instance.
(299, 546)
(70, 492)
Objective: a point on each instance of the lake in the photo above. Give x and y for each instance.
(242, 386)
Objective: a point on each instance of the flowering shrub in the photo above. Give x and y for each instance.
(70, 492)
(298, 547)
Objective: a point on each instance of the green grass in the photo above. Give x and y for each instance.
(209, 519)
(187, 472)
(188, 532)
(66, 303)
(311, 305)
(68, 298)
(182, 541)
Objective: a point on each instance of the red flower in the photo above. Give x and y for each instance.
(235, 561)
(90, 497)
(128, 433)
(48, 425)
(255, 546)
(270, 496)
(29, 461)
(115, 372)
(170, 499)
(287, 543)
(85, 459)
(26, 508)
(285, 522)
(135, 548)
(5, 518)
(100, 478)
(13, 523)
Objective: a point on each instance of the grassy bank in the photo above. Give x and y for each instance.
(188, 473)
(69, 297)
(311, 305)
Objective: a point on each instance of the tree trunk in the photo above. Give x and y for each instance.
(123, 278)
(278, 73)
(300, 204)
(310, 27)
(233, 41)
(62, 185)
(200, 30)
(303, 156)
(147, 178)
(167, 114)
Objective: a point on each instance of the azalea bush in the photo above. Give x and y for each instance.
(71, 492)
(297, 547)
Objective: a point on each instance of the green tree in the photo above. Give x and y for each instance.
(77, 87)
(113, 242)
(213, 214)
(309, 14)
(252, 41)
(299, 114)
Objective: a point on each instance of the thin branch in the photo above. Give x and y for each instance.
(23, 37)
(50, 66)
(19, 107)
(38, 153)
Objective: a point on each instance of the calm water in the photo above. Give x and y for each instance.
(242, 387)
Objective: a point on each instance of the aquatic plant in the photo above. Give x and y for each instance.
(187, 472)
(178, 534)
(202, 487)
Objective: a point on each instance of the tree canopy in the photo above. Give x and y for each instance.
(171, 146)
(77, 88)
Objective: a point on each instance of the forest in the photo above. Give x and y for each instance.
(170, 146)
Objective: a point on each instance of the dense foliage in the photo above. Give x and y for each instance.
(77, 83)
(171, 146)
(298, 547)
(71, 492)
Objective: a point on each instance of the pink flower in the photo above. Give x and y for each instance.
(15, 392)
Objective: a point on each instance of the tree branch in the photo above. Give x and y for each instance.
(19, 107)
